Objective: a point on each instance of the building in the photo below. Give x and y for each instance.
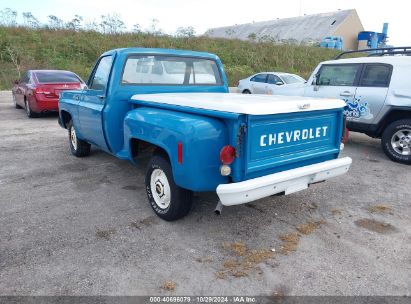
(308, 29)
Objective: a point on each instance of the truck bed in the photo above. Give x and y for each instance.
(242, 103)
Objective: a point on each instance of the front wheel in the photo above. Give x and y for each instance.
(78, 147)
(169, 201)
(396, 141)
(15, 102)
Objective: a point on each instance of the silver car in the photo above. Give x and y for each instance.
(268, 82)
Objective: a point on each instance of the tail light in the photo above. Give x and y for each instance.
(40, 90)
(237, 83)
(227, 154)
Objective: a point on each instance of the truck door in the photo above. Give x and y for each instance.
(92, 103)
(337, 81)
(372, 92)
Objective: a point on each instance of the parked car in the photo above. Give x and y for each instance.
(176, 104)
(38, 90)
(377, 93)
(268, 82)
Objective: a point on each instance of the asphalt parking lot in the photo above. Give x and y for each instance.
(74, 226)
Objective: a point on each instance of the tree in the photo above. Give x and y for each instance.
(111, 24)
(75, 23)
(30, 21)
(8, 17)
(187, 32)
(91, 26)
(137, 28)
(154, 29)
(252, 36)
(55, 23)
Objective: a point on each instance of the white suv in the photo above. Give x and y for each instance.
(377, 91)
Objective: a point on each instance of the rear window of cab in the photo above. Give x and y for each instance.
(170, 70)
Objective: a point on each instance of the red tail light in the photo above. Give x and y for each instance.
(227, 155)
(40, 90)
(237, 83)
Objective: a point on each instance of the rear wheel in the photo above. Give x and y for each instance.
(169, 201)
(29, 112)
(396, 141)
(246, 92)
(78, 147)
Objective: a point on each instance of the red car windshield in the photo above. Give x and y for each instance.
(56, 77)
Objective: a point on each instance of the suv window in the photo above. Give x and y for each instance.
(259, 78)
(273, 79)
(376, 75)
(338, 75)
(100, 77)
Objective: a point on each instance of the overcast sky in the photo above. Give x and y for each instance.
(214, 13)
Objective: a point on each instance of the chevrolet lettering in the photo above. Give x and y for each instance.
(174, 106)
(292, 136)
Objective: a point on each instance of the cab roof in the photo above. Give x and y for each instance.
(160, 51)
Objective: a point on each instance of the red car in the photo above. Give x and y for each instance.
(38, 90)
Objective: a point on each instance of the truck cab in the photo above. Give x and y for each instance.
(176, 104)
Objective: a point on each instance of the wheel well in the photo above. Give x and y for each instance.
(391, 117)
(65, 118)
(246, 90)
(141, 148)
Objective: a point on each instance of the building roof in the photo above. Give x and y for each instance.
(302, 29)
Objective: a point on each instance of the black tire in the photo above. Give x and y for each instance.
(29, 112)
(15, 102)
(180, 201)
(395, 145)
(78, 147)
(246, 92)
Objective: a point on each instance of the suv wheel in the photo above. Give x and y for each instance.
(78, 147)
(396, 141)
(169, 201)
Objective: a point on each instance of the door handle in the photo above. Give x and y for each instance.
(76, 97)
(346, 93)
(101, 97)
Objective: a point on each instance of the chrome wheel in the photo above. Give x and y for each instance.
(73, 138)
(160, 188)
(401, 142)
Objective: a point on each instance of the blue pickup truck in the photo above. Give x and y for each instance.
(176, 105)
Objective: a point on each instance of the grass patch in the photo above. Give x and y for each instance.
(244, 261)
(169, 285)
(78, 51)
(379, 209)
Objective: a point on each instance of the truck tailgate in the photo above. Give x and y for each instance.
(285, 141)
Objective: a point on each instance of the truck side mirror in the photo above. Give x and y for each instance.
(279, 83)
